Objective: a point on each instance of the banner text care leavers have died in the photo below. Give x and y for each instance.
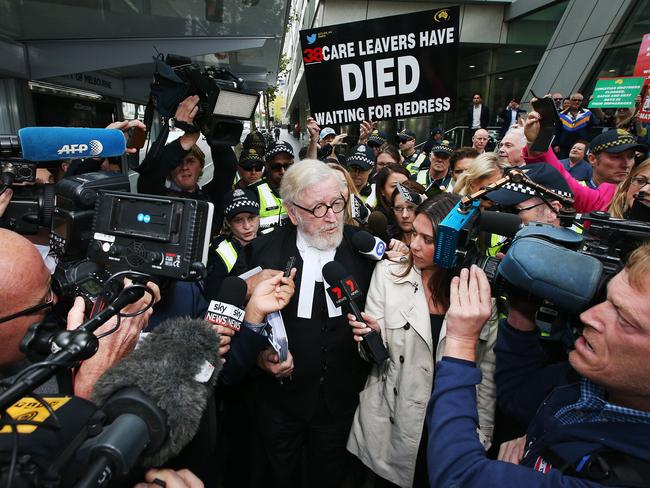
(400, 66)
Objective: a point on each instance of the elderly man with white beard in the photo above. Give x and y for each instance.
(305, 405)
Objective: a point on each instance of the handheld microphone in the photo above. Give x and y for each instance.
(176, 370)
(378, 225)
(227, 308)
(57, 143)
(501, 223)
(370, 246)
(343, 290)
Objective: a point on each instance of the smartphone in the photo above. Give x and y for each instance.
(136, 138)
(546, 108)
(289, 266)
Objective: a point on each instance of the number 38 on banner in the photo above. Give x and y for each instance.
(314, 55)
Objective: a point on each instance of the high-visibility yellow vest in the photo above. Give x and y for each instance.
(272, 211)
(424, 180)
(371, 199)
(227, 253)
(414, 166)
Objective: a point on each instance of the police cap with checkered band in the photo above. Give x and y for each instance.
(514, 193)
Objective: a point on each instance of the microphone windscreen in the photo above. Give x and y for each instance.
(568, 279)
(503, 224)
(57, 143)
(334, 272)
(176, 367)
(363, 241)
(378, 225)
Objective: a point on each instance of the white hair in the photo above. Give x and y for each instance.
(518, 133)
(303, 175)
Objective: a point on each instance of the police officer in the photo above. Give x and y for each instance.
(242, 214)
(412, 158)
(249, 168)
(376, 139)
(359, 164)
(438, 177)
(279, 158)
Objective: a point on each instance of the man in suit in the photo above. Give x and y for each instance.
(478, 115)
(509, 115)
(304, 406)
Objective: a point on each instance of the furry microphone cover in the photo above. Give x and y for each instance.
(172, 367)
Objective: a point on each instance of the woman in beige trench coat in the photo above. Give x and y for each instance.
(406, 304)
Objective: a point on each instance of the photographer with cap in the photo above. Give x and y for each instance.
(588, 418)
(278, 159)
(179, 165)
(438, 177)
(328, 140)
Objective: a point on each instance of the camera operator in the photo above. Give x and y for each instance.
(588, 418)
(26, 297)
(180, 164)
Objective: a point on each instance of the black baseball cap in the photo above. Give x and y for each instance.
(511, 194)
(615, 141)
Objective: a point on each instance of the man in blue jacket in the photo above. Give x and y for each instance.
(589, 419)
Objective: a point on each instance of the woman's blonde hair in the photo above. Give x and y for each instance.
(352, 190)
(483, 166)
(618, 207)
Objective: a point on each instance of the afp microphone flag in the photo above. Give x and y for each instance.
(399, 66)
(58, 143)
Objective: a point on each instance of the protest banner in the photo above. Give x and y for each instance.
(642, 68)
(616, 92)
(399, 66)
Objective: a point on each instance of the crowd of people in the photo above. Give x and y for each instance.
(471, 394)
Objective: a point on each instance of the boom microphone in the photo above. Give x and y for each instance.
(343, 290)
(227, 309)
(176, 368)
(378, 225)
(501, 223)
(370, 246)
(56, 143)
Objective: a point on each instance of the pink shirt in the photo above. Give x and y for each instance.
(586, 199)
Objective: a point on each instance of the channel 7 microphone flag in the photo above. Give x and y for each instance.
(57, 143)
